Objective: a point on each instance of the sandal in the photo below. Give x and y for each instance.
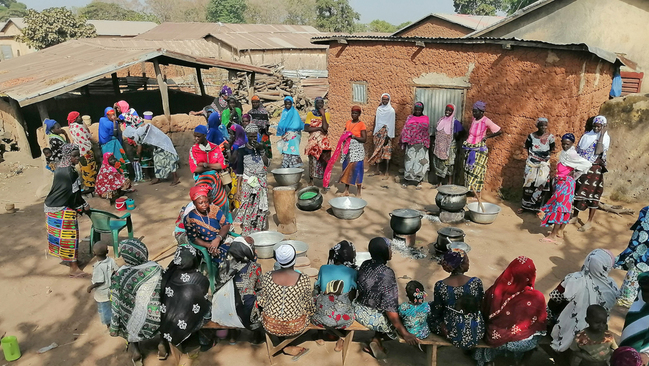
(303, 352)
(378, 352)
(137, 362)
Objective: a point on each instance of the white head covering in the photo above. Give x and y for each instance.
(285, 255)
(150, 135)
(575, 161)
(385, 116)
(590, 137)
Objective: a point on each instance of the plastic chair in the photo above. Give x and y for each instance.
(107, 223)
(207, 265)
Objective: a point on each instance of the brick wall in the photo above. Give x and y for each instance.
(435, 27)
(518, 85)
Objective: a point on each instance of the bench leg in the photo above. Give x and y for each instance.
(272, 350)
(347, 340)
(269, 347)
(432, 354)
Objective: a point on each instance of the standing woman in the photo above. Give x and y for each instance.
(415, 139)
(476, 148)
(634, 259)
(259, 116)
(536, 188)
(318, 148)
(165, 157)
(353, 161)
(62, 205)
(383, 134)
(593, 146)
(110, 138)
(127, 114)
(57, 138)
(232, 114)
(81, 137)
(290, 130)
(446, 135)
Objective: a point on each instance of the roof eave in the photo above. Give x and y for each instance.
(414, 24)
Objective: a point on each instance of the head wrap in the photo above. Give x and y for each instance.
(315, 110)
(357, 108)
(108, 110)
(198, 191)
(123, 106)
(626, 356)
(385, 116)
(134, 252)
(251, 128)
(246, 116)
(72, 116)
(255, 98)
(290, 120)
(225, 90)
(419, 105)
(202, 129)
(285, 256)
(240, 137)
(185, 258)
(589, 140)
(453, 260)
(49, 124)
(379, 249)
(343, 252)
(66, 155)
(242, 251)
(446, 124)
(568, 136)
(600, 120)
(541, 119)
(214, 132)
(452, 106)
(106, 165)
(480, 105)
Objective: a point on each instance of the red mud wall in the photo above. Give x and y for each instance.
(435, 27)
(518, 85)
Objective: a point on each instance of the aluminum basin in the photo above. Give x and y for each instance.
(264, 242)
(347, 208)
(287, 176)
(487, 216)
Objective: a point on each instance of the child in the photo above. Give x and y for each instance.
(594, 344)
(415, 312)
(101, 273)
(49, 160)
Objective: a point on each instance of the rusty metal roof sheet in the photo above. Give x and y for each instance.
(118, 28)
(68, 66)
(472, 22)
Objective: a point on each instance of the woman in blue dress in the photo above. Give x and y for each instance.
(634, 259)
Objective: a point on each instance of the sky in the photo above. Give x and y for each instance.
(392, 11)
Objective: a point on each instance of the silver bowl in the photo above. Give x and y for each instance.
(487, 216)
(287, 176)
(347, 208)
(264, 242)
(300, 246)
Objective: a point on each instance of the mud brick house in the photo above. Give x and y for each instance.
(446, 25)
(519, 80)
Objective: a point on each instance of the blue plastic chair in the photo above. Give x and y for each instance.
(207, 265)
(107, 223)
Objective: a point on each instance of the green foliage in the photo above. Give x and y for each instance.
(299, 12)
(511, 6)
(100, 10)
(226, 11)
(381, 26)
(53, 26)
(12, 9)
(335, 16)
(478, 7)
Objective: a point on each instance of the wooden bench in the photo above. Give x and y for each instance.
(434, 341)
(346, 334)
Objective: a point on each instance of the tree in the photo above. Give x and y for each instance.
(111, 11)
(477, 7)
(226, 11)
(511, 6)
(53, 26)
(335, 16)
(12, 9)
(300, 12)
(381, 26)
(178, 10)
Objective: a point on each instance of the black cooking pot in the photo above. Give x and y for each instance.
(451, 197)
(447, 235)
(405, 221)
(310, 204)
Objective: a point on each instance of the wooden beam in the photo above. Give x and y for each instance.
(164, 92)
(199, 77)
(115, 83)
(42, 111)
(251, 87)
(23, 141)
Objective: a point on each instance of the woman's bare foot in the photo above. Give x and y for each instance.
(339, 345)
(418, 187)
(587, 226)
(175, 182)
(78, 274)
(155, 181)
(573, 220)
(346, 194)
(520, 211)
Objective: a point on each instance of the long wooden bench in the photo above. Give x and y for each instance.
(433, 342)
(346, 334)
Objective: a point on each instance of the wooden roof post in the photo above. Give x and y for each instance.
(163, 90)
(199, 77)
(115, 83)
(251, 87)
(42, 111)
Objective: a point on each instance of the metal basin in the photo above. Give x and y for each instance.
(487, 216)
(347, 208)
(405, 221)
(287, 176)
(264, 242)
(310, 204)
(300, 247)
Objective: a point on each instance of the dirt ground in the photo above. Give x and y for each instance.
(41, 305)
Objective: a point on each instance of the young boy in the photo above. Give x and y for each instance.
(101, 273)
(50, 165)
(415, 312)
(595, 344)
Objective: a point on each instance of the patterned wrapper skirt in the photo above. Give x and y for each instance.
(291, 161)
(382, 147)
(164, 163)
(417, 163)
(88, 169)
(474, 175)
(559, 206)
(374, 320)
(589, 188)
(352, 172)
(316, 167)
(443, 167)
(63, 234)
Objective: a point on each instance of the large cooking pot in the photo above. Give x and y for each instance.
(446, 236)
(451, 197)
(405, 221)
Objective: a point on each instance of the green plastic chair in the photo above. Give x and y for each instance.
(206, 265)
(107, 223)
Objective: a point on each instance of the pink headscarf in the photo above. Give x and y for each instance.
(446, 123)
(106, 164)
(123, 106)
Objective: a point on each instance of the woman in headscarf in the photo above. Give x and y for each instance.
(559, 206)
(235, 302)
(377, 304)
(446, 135)
(634, 259)
(111, 183)
(635, 333)
(352, 151)
(185, 306)
(289, 130)
(110, 138)
(62, 206)
(238, 140)
(57, 138)
(252, 162)
(415, 139)
(455, 309)
(536, 187)
(593, 146)
(206, 225)
(318, 148)
(135, 295)
(514, 313)
(259, 116)
(627, 356)
(82, 138)
(569, 301)
(286, 301)
(383, 134)
(216, 132)
(127, 114)
(476, 149)
(165, 157)
(232, 114)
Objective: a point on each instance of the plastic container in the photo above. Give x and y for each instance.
(130, 204)
(148, 115)
(120, 204)
(10, 348)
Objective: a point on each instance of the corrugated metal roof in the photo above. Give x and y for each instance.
(104, 27)
(68, 66)
(505, 42)
(468, 21)
(516, 15)
(194, 47)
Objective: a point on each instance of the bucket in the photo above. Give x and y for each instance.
(130, 204)
(10, 348)
(120, 204)
(226, 178)
(86, 119)
(148, 115)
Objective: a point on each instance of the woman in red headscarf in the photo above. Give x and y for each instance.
(206, 225)
(81, 137)
(514, 312)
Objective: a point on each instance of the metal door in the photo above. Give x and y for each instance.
(435, 101)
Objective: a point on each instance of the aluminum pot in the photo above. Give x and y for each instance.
(446, 236)
(405, 221)
(451, 198)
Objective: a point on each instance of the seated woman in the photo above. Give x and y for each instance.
(635, 333)
(514, 312)
(110, 140)
(111, 183)
(455, 309)
(165, 157)
(634, 259)
(206, 225)
(135, 294)
(627, 356)
(286, 301)
(377, 304)
(235, 302)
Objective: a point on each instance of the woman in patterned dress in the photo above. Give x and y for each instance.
(536, 188)
(289, 129)
(57, 138)
(415, 139)
(81, 137)
(318, 148)
(446, 135)
(111, 183)
(634, 259)
(383, 134)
